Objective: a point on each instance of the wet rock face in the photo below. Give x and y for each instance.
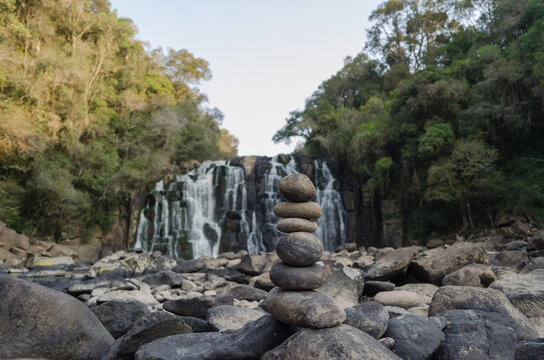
(297, 187)
(38, 322)
(299, 249)
(304, 308)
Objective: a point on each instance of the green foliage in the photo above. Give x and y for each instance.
(444, 122)
(87, 116)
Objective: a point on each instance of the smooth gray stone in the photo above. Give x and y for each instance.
(306, 210)
(227, 317)
(297, 224)
(304, 308)
(299, 249)
(370, 317)
(298, 278)
(297, 187)
(38, 322)
(339, 342)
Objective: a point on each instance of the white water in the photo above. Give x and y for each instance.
(193, 209)
(331, 225)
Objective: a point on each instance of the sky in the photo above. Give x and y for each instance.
(266, 57)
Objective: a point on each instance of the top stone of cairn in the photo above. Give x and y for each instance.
(297, 187)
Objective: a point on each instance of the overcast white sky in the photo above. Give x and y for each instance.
(266, 57)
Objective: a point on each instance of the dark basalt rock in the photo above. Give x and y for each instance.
(530, 349)
(119, 316)
(245, 292)
(165, 277)
(298, 278)
(148, 328)
(37, 322)
(299, 249)
(249, 342)
(473, 334)
(197, 307)
(373, 287)
(340, 342)
(487, 300)
(416, 337)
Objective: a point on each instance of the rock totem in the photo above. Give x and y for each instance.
(294, 301)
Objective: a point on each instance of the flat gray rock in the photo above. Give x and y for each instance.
(340, 342)
(304, 308)
(299, 248)
(298, 278)
(306, 210)
(388, 266)
(297, 224)
(249, 342)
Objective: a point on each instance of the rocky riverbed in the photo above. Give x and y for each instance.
(466, 300)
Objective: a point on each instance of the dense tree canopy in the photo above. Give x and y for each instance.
(449, 116)
(87, 114)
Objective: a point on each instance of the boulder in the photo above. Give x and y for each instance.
(344, 284)
(511, 260)
(304, 308)
(227, 317)
(150, 327)
(197, 306)
(390, 265)
(298, 278)
(299, 248)
(483, 299)
(58, 250)
(473, 334)
(416, 337)
(401, 298)
(370, 317)
(165, 277)
(526, 293)
(306, 210)
(249, 342)
(340, 342)
(432, 265)
(530, 349)
(290, 225)
(478, 275)
(119, 316)
(297, 187)
(252, 264)
(38, 322)
(245, 292)
(189, 266)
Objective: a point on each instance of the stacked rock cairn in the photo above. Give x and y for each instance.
(294, 300)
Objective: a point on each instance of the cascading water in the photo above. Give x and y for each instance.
(201, 206)
(331, 225)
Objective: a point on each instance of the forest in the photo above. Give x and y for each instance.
(442, 110)
(88, 113)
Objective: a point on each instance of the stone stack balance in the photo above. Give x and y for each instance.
(294, 301)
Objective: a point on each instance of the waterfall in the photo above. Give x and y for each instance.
(207, 207)
(331, 225)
